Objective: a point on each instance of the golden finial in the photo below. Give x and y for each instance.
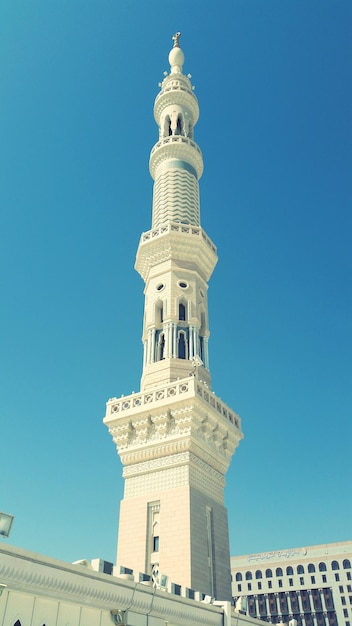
(176, 37)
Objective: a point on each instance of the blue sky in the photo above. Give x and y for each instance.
(77, 85)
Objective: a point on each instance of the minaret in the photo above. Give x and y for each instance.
(175, 437)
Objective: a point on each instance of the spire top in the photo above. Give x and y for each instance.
(176, 56)
(175, 38)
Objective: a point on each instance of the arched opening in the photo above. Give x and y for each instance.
(278, 571)
(182, 312)
(311, 568)
(289, 571)
(335, 565)
(178, 130)
(182, 345)
(258, 574)
(346, 564)
(268, 573)
(238, 576)
(248, 575)
(300, 569)
(161, 347)
(322, 567)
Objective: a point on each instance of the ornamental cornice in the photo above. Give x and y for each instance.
(44, 577)
(175, 240)
(176, 94)
(176, 147)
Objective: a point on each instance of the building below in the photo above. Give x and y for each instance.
(37, 590)
(312, 585)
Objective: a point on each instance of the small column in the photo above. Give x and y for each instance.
(191, 344)
(206, 352)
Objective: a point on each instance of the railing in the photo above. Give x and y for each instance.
(174, 391)
(187, 229)
(176, 139)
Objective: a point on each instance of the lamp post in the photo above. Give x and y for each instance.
(5, 524)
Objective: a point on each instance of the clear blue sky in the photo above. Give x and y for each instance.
(78, 80)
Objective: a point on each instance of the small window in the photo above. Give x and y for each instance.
(322, 567)
(280, 583)
(345, 613)
(290, 581)
(248, 575)
(311, 568)
(289, 571)
(259, 585)
(312, 580)
(335, 565)
(249, 586)
(343, 600)
(182, 312)
(300, 569)
(337, 577)
(301, 580)
(160, 287)
(270, 584)
(341, 589)
(324, 578)
(182, 284)
(238, 576)
(268, 573)
(346, 564)
(155, 544)
(348, 575)
(258, 574)
(239, 587)
(278, 571)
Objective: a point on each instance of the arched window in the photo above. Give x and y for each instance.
(322, 567)
(18, 623)
(335, 565)
(289, 571)
(248, 575)
(161, 347)
(311, 568)
(258, 574)
(346, 564)
(182, 345)
(181, 312)
(300, 569)
(268, 573)
(239, 576)
(278, 571)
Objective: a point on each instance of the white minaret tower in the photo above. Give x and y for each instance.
(175, 438)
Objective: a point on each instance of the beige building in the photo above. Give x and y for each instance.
(175, 437)
(312, 584)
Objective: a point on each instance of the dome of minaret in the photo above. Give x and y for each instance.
(176, 56)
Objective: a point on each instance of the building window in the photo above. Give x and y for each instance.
(249, 586)
(345, 613)
(335, 565)
(289, 571)
(348, 575)
(182, 346)
(259, 585)
(322, 567)
(278, 571)
(341, 589)
(343, 600)
(280, 583)
(268, 573)
(248, 575)
(181, 312)
(349, 588)
(290, 582)
(350, 599)
(346, 564)
(270, 584)
(312, 580)
(317, 600)
(300, 569)
(238, 576)
(155, 544)
(311, 568)
(329, 603)
(305, 601)
(324, 578)
(301, 580)
(337, 577)
(258, 574)
(239, 587)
